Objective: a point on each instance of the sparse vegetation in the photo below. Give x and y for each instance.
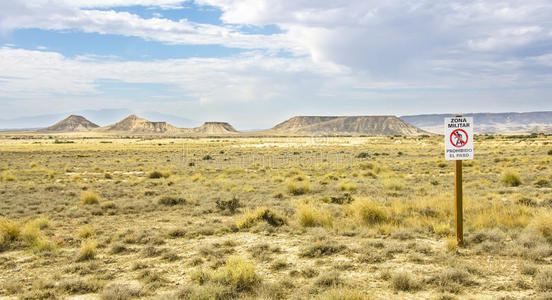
(229, 228)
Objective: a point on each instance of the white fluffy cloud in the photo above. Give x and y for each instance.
(66, 15)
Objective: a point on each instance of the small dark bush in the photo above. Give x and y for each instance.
(403, 282)
(171, 200)
(231, 205)
(321, 249)
(363, 155)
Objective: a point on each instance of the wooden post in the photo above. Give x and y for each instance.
(458, 213)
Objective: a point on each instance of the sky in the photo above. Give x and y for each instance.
(255, 63)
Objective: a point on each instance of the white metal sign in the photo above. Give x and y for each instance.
(458, 138)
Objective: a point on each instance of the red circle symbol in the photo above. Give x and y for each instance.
(459, 138)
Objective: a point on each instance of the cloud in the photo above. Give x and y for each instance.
(390, 38)
(346, 56)
(61, 15)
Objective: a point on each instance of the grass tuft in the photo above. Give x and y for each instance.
(298, 188)
(88, 198)
(510, 178)
(404, 282)
(368, 211)
(88, 250)
(251, 219)
(311, 216)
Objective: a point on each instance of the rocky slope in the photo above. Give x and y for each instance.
(215, 128)
(134, 124)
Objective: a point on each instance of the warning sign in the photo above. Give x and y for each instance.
(458, 138)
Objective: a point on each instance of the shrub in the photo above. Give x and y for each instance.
(330, 279)
(343, 294)
(9, 230)
(541, 182)
(79, 286)
(158, 175)
(86, 232)
(28, 234)
(544, 280)
(393, 184)
(211, 291)
(550, 152)
(320, 249)
(347, 186)
(177, 233)
(238, 273)
(231, 204)
(368, 211)
(88, 197)
(310, 216)
(403, 282)
(543, 224)
(7, 176)
(296, 188)
(197, 177)
(510, 178)
(451, 280)
(251, 219)
(363, 155)
(108, 205)
(41, 244)
(121, 291)
(88, 250)
(171, 200)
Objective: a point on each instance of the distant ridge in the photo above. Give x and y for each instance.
(355, 125)
(73, 123)
(215, 128)
(509, 122)
(135, 124)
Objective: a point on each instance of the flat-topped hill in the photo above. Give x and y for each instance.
(215, 128)
(135, 124)
(356, 125)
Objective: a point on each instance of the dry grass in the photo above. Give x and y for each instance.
(88, 197)
(88, 250)
(251, 219)
(227, 228)
(311, 216)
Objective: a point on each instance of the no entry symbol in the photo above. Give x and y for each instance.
(459, 138)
